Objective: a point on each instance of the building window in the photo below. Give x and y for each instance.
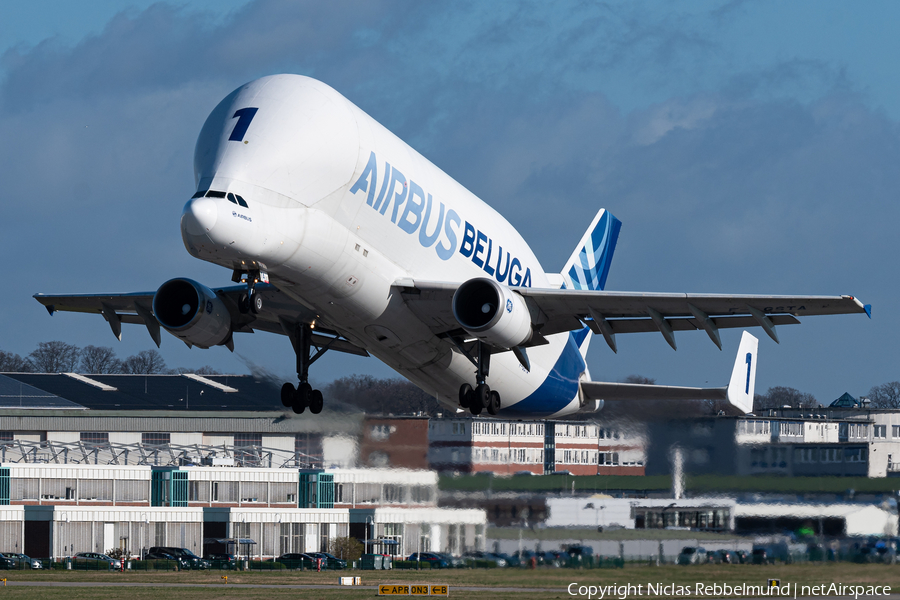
(247, 439)
(156, 438)
(94, 437)
(880, 432)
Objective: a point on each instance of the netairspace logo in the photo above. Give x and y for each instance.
(723, 590)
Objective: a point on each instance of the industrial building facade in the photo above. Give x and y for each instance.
(507, 447)
(99, 462)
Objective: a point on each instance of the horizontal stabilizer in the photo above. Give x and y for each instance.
(738, 393)
(601, 390)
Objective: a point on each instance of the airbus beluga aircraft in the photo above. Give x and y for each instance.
(342, 237)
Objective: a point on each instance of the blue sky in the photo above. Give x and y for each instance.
(748, 147)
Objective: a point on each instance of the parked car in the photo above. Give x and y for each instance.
(182, 564)
(191, 559)
(488, 556)
(728, 557)
(554, 558)
(297, 560)
(7, 562)
(332, 562)
(511, 561)
(23, 561)
(455, 562)
(222, 560)
(692, 555)
(95, 560)
(435, 560)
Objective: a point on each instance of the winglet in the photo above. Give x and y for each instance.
(743, 377)
(588, 266)
(868, 309)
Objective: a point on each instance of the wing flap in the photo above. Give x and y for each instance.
(563, 310)
(134, 308)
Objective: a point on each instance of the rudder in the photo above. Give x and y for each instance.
(588, 266)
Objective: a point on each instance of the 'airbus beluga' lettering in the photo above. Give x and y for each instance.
(393, 258)
(418, 207)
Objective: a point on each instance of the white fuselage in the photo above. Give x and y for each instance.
(338, 210)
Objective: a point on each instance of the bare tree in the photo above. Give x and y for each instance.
(13, 363)
(886, 395)
(381, 396)
(54, 357)
(145, 362)
(639, 379)
(780, 396)
(204, 370)
(99, 359)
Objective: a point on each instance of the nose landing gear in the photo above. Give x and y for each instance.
(250, 301)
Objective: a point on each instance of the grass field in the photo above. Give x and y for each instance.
(494, 583)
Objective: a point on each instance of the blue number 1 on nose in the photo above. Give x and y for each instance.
(244, 116)
(749, 360)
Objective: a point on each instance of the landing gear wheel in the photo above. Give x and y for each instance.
(316, 402)
(475, 409)
(303, 392)
(301, 397)
(493, 406)
(483, 395)
(244, 303)
(465, 395)
(256, 303)
(287, 394)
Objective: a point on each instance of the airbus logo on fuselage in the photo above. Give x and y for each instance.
(416, 216)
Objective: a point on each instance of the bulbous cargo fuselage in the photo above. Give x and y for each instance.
(296, 181)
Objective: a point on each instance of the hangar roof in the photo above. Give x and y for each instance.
(188, 392)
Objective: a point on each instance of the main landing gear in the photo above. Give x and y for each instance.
(250, 301)
(303, 396)
(480, 397)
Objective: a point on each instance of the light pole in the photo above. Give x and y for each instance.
(597, 511)
(366, 545)
(146, 522)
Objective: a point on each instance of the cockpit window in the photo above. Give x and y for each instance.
(231, 198)
(215, 194)
(199, 194)
(241, 201)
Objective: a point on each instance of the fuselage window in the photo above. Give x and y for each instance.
(215, 194)
(231, 198)
(241, 201)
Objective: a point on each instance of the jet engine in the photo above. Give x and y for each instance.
(192, 312)
(492, 313)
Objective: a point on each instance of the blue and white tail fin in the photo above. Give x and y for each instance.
(588, 266)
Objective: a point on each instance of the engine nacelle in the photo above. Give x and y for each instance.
(192, 312)
(492, 313)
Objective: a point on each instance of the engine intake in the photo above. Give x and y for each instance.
(492, 313)
(192, 312)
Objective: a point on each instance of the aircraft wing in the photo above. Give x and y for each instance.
(280, 313)
(611, 313)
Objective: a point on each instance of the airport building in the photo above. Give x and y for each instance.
(506, 447)
(208, 463)
(824, 441)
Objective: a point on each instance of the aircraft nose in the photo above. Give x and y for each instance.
(199, 216)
